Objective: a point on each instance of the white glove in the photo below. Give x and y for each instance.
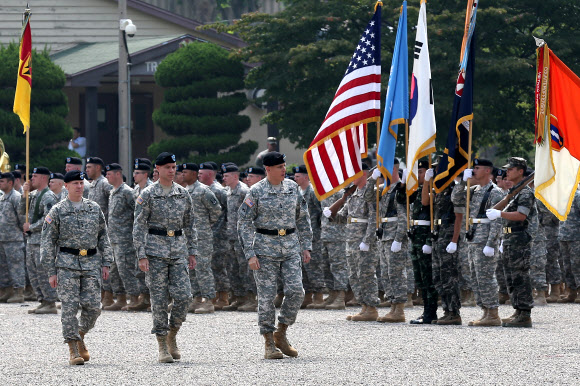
(364, 247)
(396, 246)
(376, 174)
(467, 174)
(327, 212)
(492, 214)
(501, 247)
(405, 174)
(488, 251)
(451, 248)
(429, 174)
(427, 249)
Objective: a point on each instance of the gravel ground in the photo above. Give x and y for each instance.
(226, 348)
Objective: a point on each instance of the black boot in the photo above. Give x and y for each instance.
(423, 318)
(430, 313)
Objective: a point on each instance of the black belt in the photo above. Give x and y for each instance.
(276, 232)
(79, 252)
(508, 230)
(165, 232)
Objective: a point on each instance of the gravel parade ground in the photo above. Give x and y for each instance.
(226, 348)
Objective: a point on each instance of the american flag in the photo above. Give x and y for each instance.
(333, 159)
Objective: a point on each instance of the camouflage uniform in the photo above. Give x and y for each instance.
(120, 224)
(394, 224)
(334, 249)
(569, 238)
(550, 225)
(241, 280)
(206, 211)
(168, 254)
(37, 274)
(78, 276)
(538, 256)
(269, 207)
(140, 275)
(483, 279)
(312, 273)
(362, 265)
(220, 244)
(11, 242)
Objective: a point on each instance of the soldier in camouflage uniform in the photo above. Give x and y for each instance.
(360, 217)
(99, 191)
(516, 245)
(275, 234)
(41, 201)
(550, 224)
(11, 242)
(120, 224)
(392, 244)
(569, 239)
(538, 257)
(242, 281)
(313, 272)
(74, 163)
(207, 174)
(73, 231)
(483, 238)
(166, 244)
(56, 185)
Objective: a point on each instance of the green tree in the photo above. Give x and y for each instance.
(304, 50)
(201, 106)
(49, 108)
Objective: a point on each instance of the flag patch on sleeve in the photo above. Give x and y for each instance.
(48, 219)
(249, 202)
(139, 200)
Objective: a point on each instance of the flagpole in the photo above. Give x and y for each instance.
(407, 156)
(377, 182)
(27, 170)
(469, 180)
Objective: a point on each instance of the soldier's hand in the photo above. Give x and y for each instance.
(451, 247)
(26, 227)
(52, 281)
(26, 187)
(396, 246)
(253, 263)
(144, 265)
(427, 249)
(105, 273)
(192, 262)
(467, 174)
(306, 256)
(327, 212)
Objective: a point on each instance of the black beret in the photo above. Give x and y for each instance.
(142, 166)
(500, 173)
(56, 176)
(256, 170)
(396, 161)
(20, 167)
(7, 175)
(41, 170)
(74, 175)
(96, 161)
(482, 162)
(215, 166)
(74, 161)
(273, 158)
(230, 167)
(423, 164)
(243, 175)
(300, 169)
(207, 166)
(17, 174)
(143, 161)
(365, 166)
(190, 166)
(179, 168)
(164, 159)
(113, 167)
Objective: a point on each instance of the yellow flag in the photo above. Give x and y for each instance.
(24, 80)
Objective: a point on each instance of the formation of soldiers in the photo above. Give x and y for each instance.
(204, 238)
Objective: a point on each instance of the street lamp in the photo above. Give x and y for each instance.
(126, 28)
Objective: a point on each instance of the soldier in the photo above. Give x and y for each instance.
(268, 219)
(179, 175)
(120, 225)
(242, 281)
(569, 239)
(11, 241)
(550, 224)
(73, 231)
(18, 180)
(272, 143)
(141, 171)
(74, 163)
(392, 245)
(56, 185)
(207, 174)
(41, 201)
(255, 175)
(483, 238)
(206, 212)
(164, 237)
(359, 216)
(516, 245)
(313, 273)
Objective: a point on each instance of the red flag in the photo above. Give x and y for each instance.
(24, 80)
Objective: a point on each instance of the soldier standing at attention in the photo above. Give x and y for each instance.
(73, 231)
(255, 175)
(56, 185)
(74, 163)
(268, 219)
(41, 201)
(164, 237)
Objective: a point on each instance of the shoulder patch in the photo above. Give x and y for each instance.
(48, 219)
(213, 200)
(139, 200)
(249, 202)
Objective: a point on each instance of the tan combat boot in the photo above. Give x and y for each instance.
(469, 300)
(503, 297)
(307, 300)
(2, 292)
(172, 343)
(452, 319)
(251, 304)
(278, 300)
(46, 308)
(370, 315)
(221, 300)
(74, 356)
(83, 351)
(513, 316)
(8, 292)
(271, 351)
(491, 319)
(362, 311)
(338, 301)
(195, 303)
(133, 300)
(540, 299)
(17, 296)
(143, 304)
(164, 356)
(485, 311)
(409, 302)
(281, 341)
(107, 299)
(349, 297)
(317, 302)
(554, 294)
(206, 307)
(29, 294)
(118, 305)
(523, 319)
(237, 302)
(395, 315)
(572, 294)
